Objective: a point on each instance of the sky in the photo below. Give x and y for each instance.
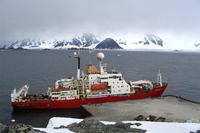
(60, 19)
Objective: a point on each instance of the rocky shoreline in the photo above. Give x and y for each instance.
(141, 124)
(85, 126)
(95, 126)
(18, 128)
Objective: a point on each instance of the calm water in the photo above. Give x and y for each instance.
(40, 69)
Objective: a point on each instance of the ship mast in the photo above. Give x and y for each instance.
(77, 55)
(159, 78)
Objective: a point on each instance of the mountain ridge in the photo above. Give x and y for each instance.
(86, 41)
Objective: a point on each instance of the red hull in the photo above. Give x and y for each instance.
(58, 104)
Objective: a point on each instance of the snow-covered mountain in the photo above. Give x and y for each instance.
(149, 42)
(91, 41)
(87, 40)
(150, 38)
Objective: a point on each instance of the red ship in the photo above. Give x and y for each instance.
(91, 87)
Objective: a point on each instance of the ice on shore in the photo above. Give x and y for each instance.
(151, 127)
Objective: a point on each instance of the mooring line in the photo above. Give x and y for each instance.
(182, 98)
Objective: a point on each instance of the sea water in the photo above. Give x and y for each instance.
(41, 68)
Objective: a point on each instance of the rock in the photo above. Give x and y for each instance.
(198, 131)
(160, 119)
(62, 126)
(38, 131)
(139, 118)
(123, 125)
(20, 128)
(95, 126)
(137, 124)
(3, 128)
(150, 118)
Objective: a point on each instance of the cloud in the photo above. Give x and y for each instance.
(61, 18)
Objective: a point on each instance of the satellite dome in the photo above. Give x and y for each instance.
(75, 53)
(100, 56)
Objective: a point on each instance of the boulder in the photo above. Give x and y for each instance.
(95, 126)
(3, 128)
(20, 128)
(139, 118)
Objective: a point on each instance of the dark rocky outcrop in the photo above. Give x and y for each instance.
(149, 118)
(108, 43)
(14, 128)
(18, 128)
(3, 128)
(198, 131)
(95, 126)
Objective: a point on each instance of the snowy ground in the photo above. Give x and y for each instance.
(151, 127)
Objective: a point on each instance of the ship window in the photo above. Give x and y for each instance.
(104, 78)
(122, 86)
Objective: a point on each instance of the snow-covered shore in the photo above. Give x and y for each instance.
(150, 127)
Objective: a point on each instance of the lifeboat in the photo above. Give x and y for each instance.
(99, 86)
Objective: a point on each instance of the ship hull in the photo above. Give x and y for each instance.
(77, 103)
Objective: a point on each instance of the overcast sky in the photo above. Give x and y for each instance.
(45, 19)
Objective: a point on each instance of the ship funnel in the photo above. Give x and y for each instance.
(100, 57)
(76, 55)
(159, 78)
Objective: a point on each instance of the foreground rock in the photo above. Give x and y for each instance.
(149, 118)
(95, 126)
(69, 125)
(18, 128)
(169, 109)
(3, 128)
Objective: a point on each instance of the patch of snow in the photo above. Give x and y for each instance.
(58, 121)
(51, 130)
(165, 127)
